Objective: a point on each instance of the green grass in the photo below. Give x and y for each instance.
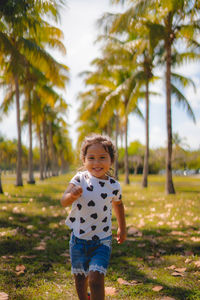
(164, 235)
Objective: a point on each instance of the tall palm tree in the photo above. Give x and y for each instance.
(169, 22)
(21, 32)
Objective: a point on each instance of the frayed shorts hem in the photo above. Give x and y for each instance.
(93, 268)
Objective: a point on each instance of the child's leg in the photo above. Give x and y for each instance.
(81, 283)
(96, 284)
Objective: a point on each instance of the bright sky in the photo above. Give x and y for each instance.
(80, 30)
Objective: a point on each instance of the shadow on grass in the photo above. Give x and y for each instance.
(130, 260)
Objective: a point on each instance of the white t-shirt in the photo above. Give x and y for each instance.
(90, 216)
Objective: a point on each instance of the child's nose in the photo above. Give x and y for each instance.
(97, 161)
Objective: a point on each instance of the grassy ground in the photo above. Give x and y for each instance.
(159, 260)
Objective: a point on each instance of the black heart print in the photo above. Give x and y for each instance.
(106, 228)
(115, 192)
(93, 227)
(112, 181)
(82, 220)
(90, 188)
(94, 216)
(104, 220)
(105, 208)
(95, 238)
(120, 197)
(91, 203)
(101, 183)
(77, 178)
(81, 231)
(72, 219)
(79, 206)
(103, 195)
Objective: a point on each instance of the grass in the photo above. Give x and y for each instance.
(161, 251)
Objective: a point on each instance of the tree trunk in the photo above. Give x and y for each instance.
(45, 152)
(30, 154)
(1, 189)
(146, 156)
(116, 167)
(19, 181)
(53, 158)
(126, 151)
(169, 188)
(41, 155)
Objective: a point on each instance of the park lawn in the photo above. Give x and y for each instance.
(160, 259)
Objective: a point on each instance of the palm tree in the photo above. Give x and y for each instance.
(169, 22)
(25, 48)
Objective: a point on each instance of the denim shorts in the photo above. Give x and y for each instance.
(89, 255)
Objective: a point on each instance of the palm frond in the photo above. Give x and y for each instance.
(183, 101)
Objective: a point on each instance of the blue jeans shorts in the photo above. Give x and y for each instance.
(89, 255)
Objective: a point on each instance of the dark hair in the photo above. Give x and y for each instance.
(92, 139)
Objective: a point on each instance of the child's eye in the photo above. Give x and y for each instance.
(90, 157)
(102, 157)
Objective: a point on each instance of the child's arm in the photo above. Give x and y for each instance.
(119, 212)
(72, 193)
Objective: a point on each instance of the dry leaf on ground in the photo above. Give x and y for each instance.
(197, 263)
(180, 270)
(157, 288)
(20, 269)
(110, 291)
(176, 274)
(3, 296)
(172, 267)
(134, 231)
(125, 282)
(167, 298)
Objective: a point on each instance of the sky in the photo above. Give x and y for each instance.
(78, 23)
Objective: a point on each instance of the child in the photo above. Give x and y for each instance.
(92, 193)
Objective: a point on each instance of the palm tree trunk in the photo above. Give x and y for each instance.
(30, 156)
(45, 152)
(146, 156)
(53, 159)
(41, 155)
(169, 187)
(19, 181)
(126, 151)
(1, 189)
(116, 167)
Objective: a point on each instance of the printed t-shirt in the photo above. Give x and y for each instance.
(90, 216)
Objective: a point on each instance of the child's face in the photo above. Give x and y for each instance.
(97, 161)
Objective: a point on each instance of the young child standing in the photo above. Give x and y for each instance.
(92, 194)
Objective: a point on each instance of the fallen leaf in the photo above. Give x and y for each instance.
(157, 288)
(180, 270)
(167, 298)
(188, 260)
(65, 254)
(28, 256)
(177, 274)
(41, 246)
(7, 256)
(197, 263)
(3, 296)
(172, 267)
(110, 291)
(134, 231)
(20, 269)
(195, 239)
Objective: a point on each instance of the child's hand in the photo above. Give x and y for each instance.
(76, 192)
(121, 236)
